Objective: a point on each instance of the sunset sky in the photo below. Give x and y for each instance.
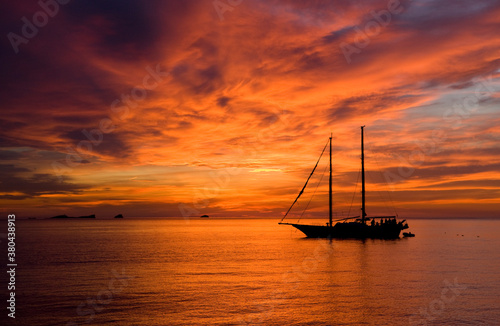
(183, 108)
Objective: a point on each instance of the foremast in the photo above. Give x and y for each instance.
(330, 185)
(363, 207)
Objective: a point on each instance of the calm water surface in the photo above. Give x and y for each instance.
(251, 272)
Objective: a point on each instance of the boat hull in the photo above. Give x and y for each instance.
(353, 230)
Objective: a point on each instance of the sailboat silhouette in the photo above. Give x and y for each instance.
(351, 227)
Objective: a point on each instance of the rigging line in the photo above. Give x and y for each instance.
(319, 182)
(380, 196)
(354, 194)
(385, 188)
(303, 188)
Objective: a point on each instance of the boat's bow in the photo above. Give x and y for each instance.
(313, 231)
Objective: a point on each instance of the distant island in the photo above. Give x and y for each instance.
(66, 216)
(204, 216)
(119, 216)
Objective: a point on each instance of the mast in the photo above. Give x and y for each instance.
(330, 184)
(363, 208)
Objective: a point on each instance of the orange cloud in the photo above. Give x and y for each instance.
(239, 108)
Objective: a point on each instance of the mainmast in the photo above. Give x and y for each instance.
(363, 208)
(330, 183)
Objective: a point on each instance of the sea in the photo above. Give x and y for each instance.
(153, 271)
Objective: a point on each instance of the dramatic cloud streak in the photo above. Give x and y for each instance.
(165, 108)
